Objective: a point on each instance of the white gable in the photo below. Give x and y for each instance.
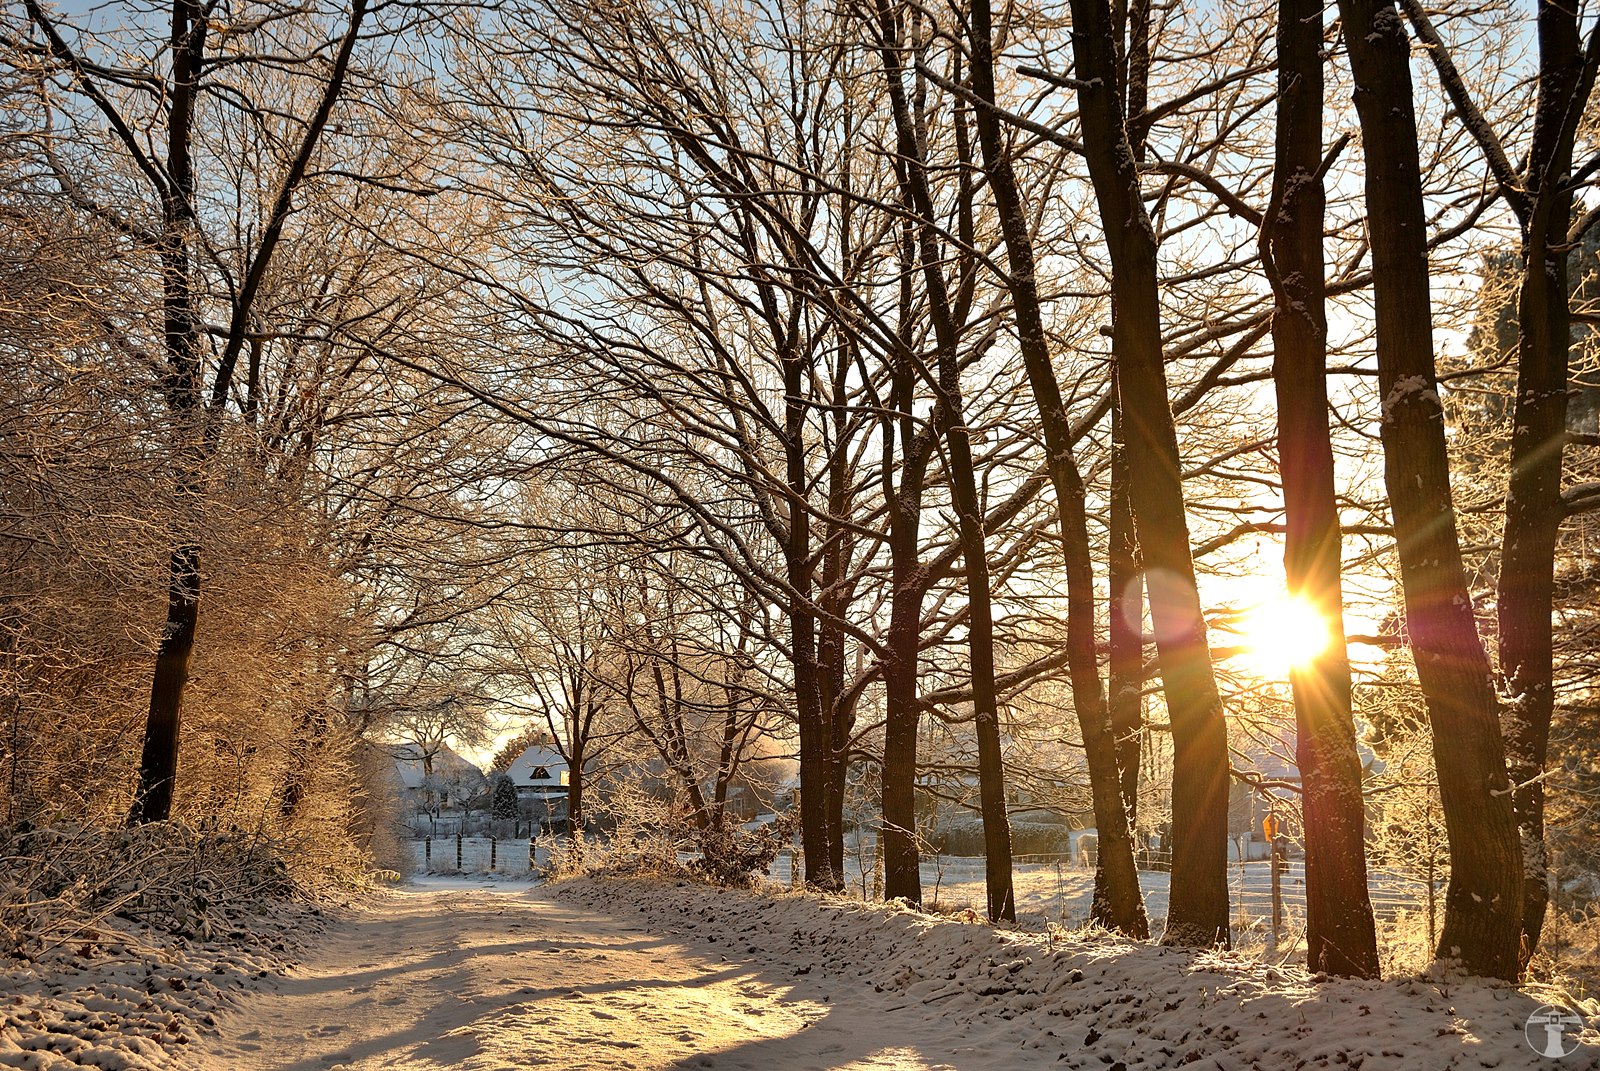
(538, 766)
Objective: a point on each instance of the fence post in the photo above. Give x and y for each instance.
(427, 854)
(532, 846)
(1433, 939)
(458, 851)
(1277, 893)
(493, 859)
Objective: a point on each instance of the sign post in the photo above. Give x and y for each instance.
(1269, 826)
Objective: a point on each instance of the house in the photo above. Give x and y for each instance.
(540, 774)
(442, 793)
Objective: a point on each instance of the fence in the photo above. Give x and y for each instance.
(1084, 859)
(1055, 877)
(479, 855)
(1392, 889)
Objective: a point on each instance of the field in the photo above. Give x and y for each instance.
(1052, 891)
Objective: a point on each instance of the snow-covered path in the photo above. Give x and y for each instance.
(592, 975)
(501, 977)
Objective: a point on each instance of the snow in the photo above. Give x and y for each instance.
(492, 972)
(602, 974)
(1406, 388)
(121, 997)
(1062, 893)
(534, 759)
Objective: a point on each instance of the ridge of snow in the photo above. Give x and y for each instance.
(1089, 1000)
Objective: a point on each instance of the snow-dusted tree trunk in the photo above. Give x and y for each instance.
(1525, 593)
(1198, 912)
(909, 579)
(1124, 626)
(1117, 902)
(1340, 935)
(1483, 904)
(912, 173)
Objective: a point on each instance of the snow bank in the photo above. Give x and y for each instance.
(1088, 1000)
(122, 997)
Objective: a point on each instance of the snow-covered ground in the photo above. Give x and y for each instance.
(1045, 892)
(1059, 893)
(121, 998)
(611, 974)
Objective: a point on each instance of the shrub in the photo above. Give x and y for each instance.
(61, 881)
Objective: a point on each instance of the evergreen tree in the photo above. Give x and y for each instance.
(504, 805)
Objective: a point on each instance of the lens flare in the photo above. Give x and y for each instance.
(1285, 634)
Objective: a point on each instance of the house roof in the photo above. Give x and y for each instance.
(533, 759)
(408, 764)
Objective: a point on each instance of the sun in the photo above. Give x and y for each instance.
(1285, 633)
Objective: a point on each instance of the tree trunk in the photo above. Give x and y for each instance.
(840, 770)
(902, 871)
(196, 422)
(1525, 594)
(834, 596)
(158, 760)
(817, 824)
(1198, 909)
(980, 642)
(575, 788)
(910, 580)
(310, 730)
(1125, 630)
(1483, 903)
(1125, 626)
(673, 745)
(1117, 902)
(911, 172)
(1340, 934)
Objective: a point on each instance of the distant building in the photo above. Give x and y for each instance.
(1249, 804)
(542, 779)
(540, 772)
(441, 795)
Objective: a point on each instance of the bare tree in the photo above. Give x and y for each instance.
(1540, 195)
(1483, 905)
(1198, 912)
(1340, 933)
(126, 100)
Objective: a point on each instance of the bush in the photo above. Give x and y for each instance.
(733, 857)
(61, 881)
(648, 836)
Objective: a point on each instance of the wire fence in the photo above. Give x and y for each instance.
(1392, 890)
(512, 856)
(1057, 876)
